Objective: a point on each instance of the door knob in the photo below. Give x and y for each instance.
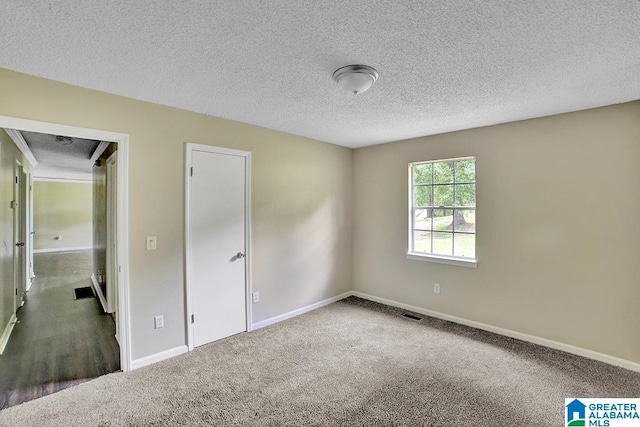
(22, 244)
(239, 255)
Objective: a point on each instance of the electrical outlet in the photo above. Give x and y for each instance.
(436, 288)
(158, 322)
(152, 243)
(255, 297)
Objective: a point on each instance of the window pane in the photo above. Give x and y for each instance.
(443, 195)
(442, 219)
(443, 243)
(465, 245)
(464, 220)
(422, 241)
(422, 173)
(465, 195)
(466, 171)
(422, 219)
(443, 172)
(422, 195)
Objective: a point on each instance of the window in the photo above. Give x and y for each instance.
(442, 209)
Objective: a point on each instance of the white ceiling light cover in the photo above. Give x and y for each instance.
(355, 78)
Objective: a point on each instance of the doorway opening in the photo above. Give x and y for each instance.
(90, 252)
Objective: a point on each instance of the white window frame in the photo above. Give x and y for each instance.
(431, 257)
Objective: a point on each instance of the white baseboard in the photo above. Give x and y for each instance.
(98, 291)
(158, 357)
(299, 311)
(4, 338)
(68, 249)
(589, 354)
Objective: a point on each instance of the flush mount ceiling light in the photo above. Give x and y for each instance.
(64, 140)
(355, 78)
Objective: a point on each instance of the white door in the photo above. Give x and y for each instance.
(217, 213)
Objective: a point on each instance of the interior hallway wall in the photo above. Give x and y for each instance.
(62, 215)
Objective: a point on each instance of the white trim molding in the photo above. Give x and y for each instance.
(18, 139)
(158, 357)
(589, 354)
(99, 150)
(98, 291)
(443, 260)
(68, 249)
(299, 311)
(64, 180)
(4, 338)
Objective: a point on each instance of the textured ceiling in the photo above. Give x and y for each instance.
(443, 65)
(61, 161)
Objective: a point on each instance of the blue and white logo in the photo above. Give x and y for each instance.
(583, 412)
(576, 413)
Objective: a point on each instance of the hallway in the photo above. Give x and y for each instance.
(59, 342)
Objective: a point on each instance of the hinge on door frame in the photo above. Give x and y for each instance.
(16, 291)
(193, 319)
(191, 172)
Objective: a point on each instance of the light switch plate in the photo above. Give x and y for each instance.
(152, 243)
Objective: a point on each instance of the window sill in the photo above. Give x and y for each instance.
(443, 260)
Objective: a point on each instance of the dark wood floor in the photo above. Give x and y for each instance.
(59, 342)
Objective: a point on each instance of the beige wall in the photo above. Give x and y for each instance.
(301, 202)
(558, 238)
(62, 209)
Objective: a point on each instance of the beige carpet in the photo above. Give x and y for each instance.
(351, 363)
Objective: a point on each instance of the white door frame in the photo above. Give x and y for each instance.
(189, 149)
(29, 230)
(24, 223)
(19, 234)
(122, 139)
(111, 272)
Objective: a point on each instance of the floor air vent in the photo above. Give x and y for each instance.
(411, 316)
(81, 293)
